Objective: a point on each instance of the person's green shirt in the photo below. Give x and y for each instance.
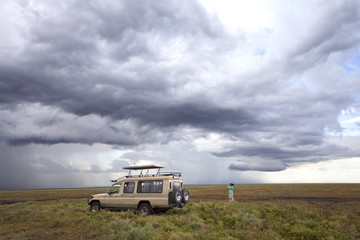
(231, 189)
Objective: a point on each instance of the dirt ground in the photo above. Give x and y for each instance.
(312, 193)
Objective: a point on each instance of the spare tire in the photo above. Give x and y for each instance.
(185, 194)
(176, 197)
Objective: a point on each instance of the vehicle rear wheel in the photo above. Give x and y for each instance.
(176, 197)
(145, 209)
(185, 195)
(95, 207)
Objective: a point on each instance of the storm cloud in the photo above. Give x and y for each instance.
(135, 74)
(262, 165)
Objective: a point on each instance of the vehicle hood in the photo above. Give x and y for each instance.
(100, 195)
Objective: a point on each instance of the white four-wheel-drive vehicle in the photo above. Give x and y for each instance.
(145, 192)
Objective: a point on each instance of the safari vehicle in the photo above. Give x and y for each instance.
(145, 192)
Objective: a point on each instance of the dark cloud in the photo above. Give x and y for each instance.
(135, 73)
(331, 36)
(95, 169)
(21, 170)
(14, 173)
(256, 165)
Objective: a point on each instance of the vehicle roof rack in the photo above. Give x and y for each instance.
(147, 173)
(142, 167)
(174, 174)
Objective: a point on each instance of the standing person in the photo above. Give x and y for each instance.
(231, 192)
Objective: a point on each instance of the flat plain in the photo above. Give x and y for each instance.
(260, 211)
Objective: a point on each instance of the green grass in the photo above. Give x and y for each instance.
(47, 194)
(332, 216)
(253, 192)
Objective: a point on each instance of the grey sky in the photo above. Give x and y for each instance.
(88, 87)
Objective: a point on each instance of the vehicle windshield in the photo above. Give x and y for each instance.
(114, 189)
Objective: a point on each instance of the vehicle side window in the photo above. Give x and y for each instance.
(156, 186)
(143, 187)
(114, 189)
(150, 186)
(129, 187)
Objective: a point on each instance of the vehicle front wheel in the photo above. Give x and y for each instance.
(95, 207)
(145, 209)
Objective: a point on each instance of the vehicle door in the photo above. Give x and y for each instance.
(152, 191)
(112, 199)
(127, 196)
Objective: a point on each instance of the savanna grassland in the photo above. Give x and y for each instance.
(274, 211)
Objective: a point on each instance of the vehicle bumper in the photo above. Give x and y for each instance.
(89, 199)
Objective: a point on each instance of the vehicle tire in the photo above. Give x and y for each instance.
(176, 197)
(185, 195)
(95, 207)
(145, 209)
